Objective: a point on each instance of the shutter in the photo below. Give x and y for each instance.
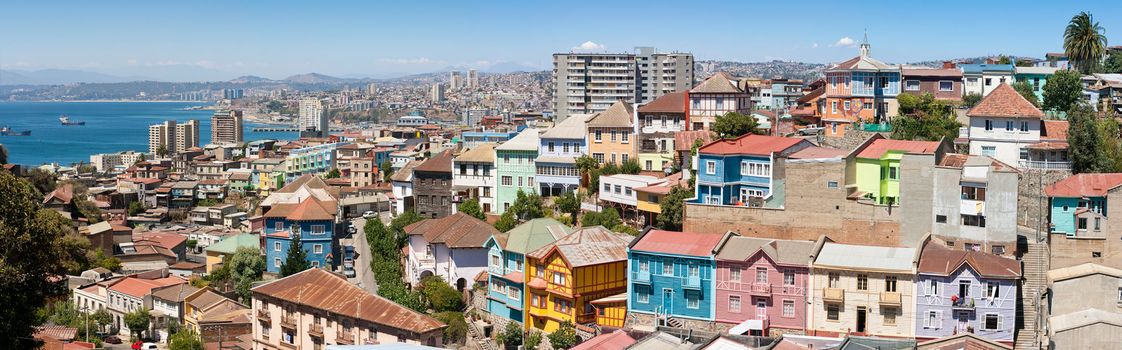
(938, 319)
(926, 320)
(1000, 322)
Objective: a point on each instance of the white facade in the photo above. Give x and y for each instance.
(312, 116)
(91, 298)
(477, 175)
(105, 162)
(984, 83)
(401, 191)
(704, 107)
(440, 260)
(587, 83)
(1003, 139)
(620, 188)
(162, 134)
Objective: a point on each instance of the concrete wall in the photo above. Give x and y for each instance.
(1095, 336)
(1096, 291)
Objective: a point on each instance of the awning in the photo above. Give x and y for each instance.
(747, 325)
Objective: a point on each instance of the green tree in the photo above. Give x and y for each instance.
(456, 331)
(1063, 90)
(970, 100)
(185, 340)
(245, 267)
(43, 181)
(36, 246)
(631, 166)
(527, 206)
(333, 174)
(671, 209)
(607, 217)
(564, 337)
(161, 151)
(510, 337)
(387, 171)
(924, 118)
(733, 125)
(1088, 144)
(533, 339)
(585, 164)
(1003, 59)
(297, 259)
(137, 321)
(1025, 89)
(471, 207)
(506, 222)
(1084, 42)
(102, 318)
(100, 259)
(397, 226)
(441, 296)
(136, 208)
(568, 203)
(1113, 63)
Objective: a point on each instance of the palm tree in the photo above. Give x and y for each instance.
(1084, 42)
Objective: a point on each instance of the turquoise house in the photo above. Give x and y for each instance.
(506, 263)
(671, 275)
(515, 168)
(1079, 203)
(1036, 77)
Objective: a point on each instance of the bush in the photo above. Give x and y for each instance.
(564, 337)
(456, 331)
(510, 337)
(533, 339)
(185, 340)
(607, 217)
(441, 296)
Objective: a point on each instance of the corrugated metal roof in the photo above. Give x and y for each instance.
(862, 257)
(679, 243)
(482, 153)
(620, 114)
(787, 252)
(458, 230)
(527, 140)
(588, 246)
(570, 128)
(535, 234)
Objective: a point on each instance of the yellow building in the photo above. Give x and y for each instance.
(227, 247)
(611, 310)
(648, 199)
(611, 134)
(566, 276)
(202, 301)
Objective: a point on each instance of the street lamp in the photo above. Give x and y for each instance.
(86, 310)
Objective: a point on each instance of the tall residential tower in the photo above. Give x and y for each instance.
(587, 83)
(226, 127)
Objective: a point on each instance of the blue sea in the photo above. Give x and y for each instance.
(110, 127)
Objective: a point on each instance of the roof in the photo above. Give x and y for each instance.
(484, 153)
(570, 128)
(588, 246)
(719, 83)
(674, 102)
(226, 310)
(976, 68)
(406, 172)
(555, 159)
(458, 230)
(1004, 101)
(939, 260)
(1036, 70)
(323, 290)
(163, 239)
(879, 147)
(787, 252)
(957, 160)
(527, 140)
(57, 332)
(661, 341)
(229, 245)
(861, 63)
(617, 340)
(309, 209)
(620, 114)
(753, 144)
(683, 140)
(679, 243)
(63, 193)
(1083, 318)
(964, 340)
(1054, 130)
(931, 72)
(664, 187)
(175, 293)
(865, 343)
(535, 234)
(1082, 270)
(614, 298)
(815, 152)
(205, 299)
(1084, 185)
(863, 257)
(139, 287)
(440, 163)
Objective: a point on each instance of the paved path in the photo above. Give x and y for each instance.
(364, 277)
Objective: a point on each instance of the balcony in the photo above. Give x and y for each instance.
(1045, 165)
(263, 315)
(833, 295)
(315, 330)
(345, 337)
(288, 320)
(425, 261)
(972, 207)
(890, 298)
(692, 282)
(759, 289)
(641, 277)
(963, 304)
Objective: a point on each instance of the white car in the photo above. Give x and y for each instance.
(147, 346)
(369, 214)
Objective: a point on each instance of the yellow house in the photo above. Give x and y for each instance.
(611, 310)
(226, 247)
(611, 134)
(567, 275)
(648, 199)
(196, 305)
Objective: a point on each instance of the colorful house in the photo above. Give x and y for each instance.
(982, 79)
(943, 83)
(312, 219)
(514, 159)
(761, 285)
(215, 253)
(859, 90)
(506, 260)
(740, 171)
(649, 198)
(316, 159)
(671, 275)
(965, 292)
(862, 290)
(1036, 77)
(1080, 220)
(558, 150)
(876, 165)
(611, 134)
(659, 121)
(567, 275)
(718, 95)
(1007, 127)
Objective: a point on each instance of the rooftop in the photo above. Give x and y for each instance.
(1084, 185)
(1005, 102)
(588, 246)
(483, 153)
(620, 114)
(439, 163)
(458, 230)
(718, 83)
(937, 259)
(861, 257)
(535, 234)
(678, 243)
(787, 252)
(753, 144)
(674, 102)
(879, 147)
(527, 140)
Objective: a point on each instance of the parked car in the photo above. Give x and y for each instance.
(148, 346)
(811, 129)
(112, 339)
(369, 214)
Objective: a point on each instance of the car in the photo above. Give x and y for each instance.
(148, 346)
(811, 129)
(112, 339)
(369, 214)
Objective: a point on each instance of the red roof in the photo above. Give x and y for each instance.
(1005, 102)
(1084, 185)
(674, 102)
(63, 193)
(683, 140)
(752, 144)
(139, 287)
(162, 239)
(679, 243)
(940, 260)
(879, 147)
(458, 230)
(1054, 130)
(617, 340)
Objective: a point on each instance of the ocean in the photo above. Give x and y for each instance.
(110, 127)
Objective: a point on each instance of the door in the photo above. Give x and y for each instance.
(861, 319)
(964, 322)
(667, 300)
(761, 308)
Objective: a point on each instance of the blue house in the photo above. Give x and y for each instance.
(672, 275)
(312, 219)
(558, 150)
(736, 171)
(506, 262)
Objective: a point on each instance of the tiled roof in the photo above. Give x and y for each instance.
(940, 260)
(139, 287)
(175, 293)
(440, 162)
(309, 209)
(205, 298)
(57, 332)
(617, 340)
(534, 234)
(674, 102)
(1005, 102)
(1084, 185)
(879, 147)
(63, 193)
(620, 114)
(719, 83)
(163, 239)
(1054, 130)
(458, 230)
(307, 180)
(787, 252)
(483, 153)
(588, 246)
(683, 140)
(680, 243)
(323, 290)
(753, 144)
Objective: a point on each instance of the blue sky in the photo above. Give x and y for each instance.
(280, 38)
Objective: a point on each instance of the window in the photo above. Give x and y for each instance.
(539, 270)
(507, 180)
(565, 147)
(889, 314)
(599, 157)
(761, 275)
(506, 158)
(989, 151)
(279, 226)
(514, 293)
(833, 106)
(647, 165)
(1024, 126)
(561, 305)
(318, 249)
(550, 147)
(892, 173)
(974, 193)
(973, 247)
(535, 301)
(734, 303)
(788, 308)
(1008, 125)
(946, 85)
(883, 82)
(1098, 224)
(847, 105)
(975, 220)
(890, 284)
(625, 138)
(833, 279)
(710, 167)
(720, 102)
(558, 278)
(692, 300)
(862, 282)
(617, 187)
(668, 267)
(317, 229)
(598, 136)
(613, 135)
(998, 250)
(832, 312)
(993, 290)
(989, 81)
(932, 320)
(276, 246)
(276, 262)
(694, 271)
(941, 219)
(989, 125)
(744, 168)
(734, 273)
(607, 188)
(643, 294)
(993, 322)
(831, 184)
(911, 85)
(315, 264)
(932, 288)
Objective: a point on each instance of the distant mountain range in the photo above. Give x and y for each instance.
(60, 76)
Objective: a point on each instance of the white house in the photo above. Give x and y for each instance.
(402, 180)
(473, 176)
(619, 189)
(133, 293)
(982, 79)
(1006, 127)
(450, 247)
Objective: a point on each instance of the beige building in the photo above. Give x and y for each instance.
(586, 83)
(315, 307)
(1085, 307)
(161, 135)
(863, 290)
(187, 135)
(226, 127)
(611, 134)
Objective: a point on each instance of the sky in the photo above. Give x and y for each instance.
(275, 39)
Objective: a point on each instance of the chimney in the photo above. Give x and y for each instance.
(948, 65)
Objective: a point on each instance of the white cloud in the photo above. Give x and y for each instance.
(419, 60)
(814, 45)
(589, 46)
(845, 42)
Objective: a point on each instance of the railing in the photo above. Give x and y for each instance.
(263, 315)
(641, 277)
(759, 289)
(788, 290)
(288, 320)
(345, 337)
(834, 295)
(1047, 165)
(883, 127)
(315, 329)
(972, 207)
(692, 282)
(890, 298)
(963, 304)
(425, 261)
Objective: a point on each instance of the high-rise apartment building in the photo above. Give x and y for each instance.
(187, 135)
(455, 80)
(312, 116)
(161, 135)
(473, 79)
(587, 83)
(371, 89)
(437, 93)
(226, 127)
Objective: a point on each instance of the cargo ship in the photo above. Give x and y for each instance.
(65, 120)
(6, 131)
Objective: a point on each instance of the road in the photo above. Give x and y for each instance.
(364, 277)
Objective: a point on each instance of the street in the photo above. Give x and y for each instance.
(364, 277)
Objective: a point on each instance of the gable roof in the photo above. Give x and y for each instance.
(570, 128)
(139, 287)
(458, 230)
(860, 63)
(1054, 130)
(204, 298)
(963, 340)
(674, 102)
(865, 258)
(482, 153)
(620, 114)
(323, 290)
(309, 209)
(865, 343)
(617, 340)
(683, 140)
(1084, 185)
(679, 243)
(1004, 101)
(534, 234)
(880, 146)
(229, 245)
(787, 252)
(405, 174)
(527, 140)
(439, 163)
(588, 246)
(939, 260)
(175, 293)
(63, 193)
(719, 83)
(754, 145)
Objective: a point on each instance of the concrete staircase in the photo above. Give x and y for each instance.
(1034, 267)
(476, 334)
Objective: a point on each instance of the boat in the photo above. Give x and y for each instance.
(6, 131)
(65, 120)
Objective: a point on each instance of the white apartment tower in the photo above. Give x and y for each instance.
(455, 81)
(437, 93)
(187, 135)
(473, 79)
(587, 83)
(312, 116)
(161, 135)
(371, 89)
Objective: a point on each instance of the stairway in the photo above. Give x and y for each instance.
(476, 334)
(673, 322)
(1035, 271)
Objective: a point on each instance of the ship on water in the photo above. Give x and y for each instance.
(65, 120)
(6, 131)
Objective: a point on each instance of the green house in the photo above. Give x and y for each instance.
(877, 167)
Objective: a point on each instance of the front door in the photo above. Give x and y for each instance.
(964, 322)
(667, 300)
(861, 319)
(761, 308)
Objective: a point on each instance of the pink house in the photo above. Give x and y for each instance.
(761, 285)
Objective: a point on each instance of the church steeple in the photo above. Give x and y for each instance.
(865, 45)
